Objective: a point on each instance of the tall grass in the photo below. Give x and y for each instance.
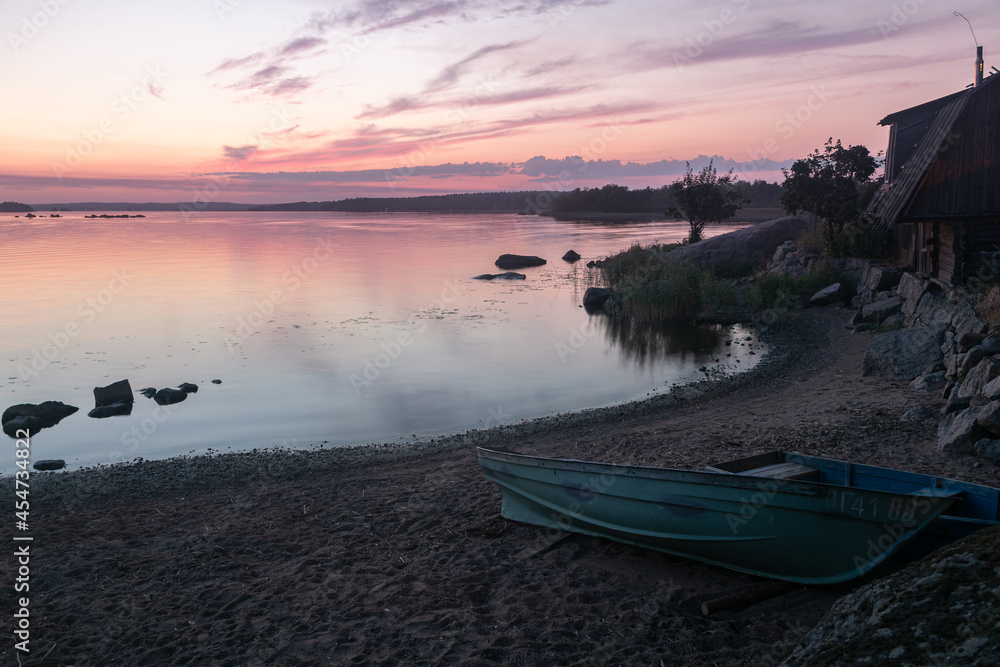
(655, 290)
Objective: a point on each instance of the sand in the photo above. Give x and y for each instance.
(398, 555)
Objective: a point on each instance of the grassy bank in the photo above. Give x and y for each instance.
(655, 290)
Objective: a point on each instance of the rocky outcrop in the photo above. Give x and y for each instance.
(571, 256)
(959, 431)
(938, 611)
(751, 246)
(33, 418)
(880, 311)
(508, 262)
(903, 354)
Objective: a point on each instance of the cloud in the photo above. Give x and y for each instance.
(301, 45)
(238, 153)
(450, 74)
(543, 169)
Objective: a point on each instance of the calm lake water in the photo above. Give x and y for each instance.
(324, 328)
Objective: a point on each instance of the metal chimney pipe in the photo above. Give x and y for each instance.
(979, 66)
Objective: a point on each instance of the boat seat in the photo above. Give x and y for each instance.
(785, 471)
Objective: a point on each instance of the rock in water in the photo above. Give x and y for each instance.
(509, 275)
(15, 427)
(594, 298)
(189, 388)
(34, 418)
(113, 410)
(571, 256)
(216, 381)
(169, 396)
(508, 262)
(148, 392)
(117, 392)
(49, 464)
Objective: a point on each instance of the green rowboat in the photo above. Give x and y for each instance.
(779, 527)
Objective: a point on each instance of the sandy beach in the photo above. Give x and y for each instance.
(398, 554)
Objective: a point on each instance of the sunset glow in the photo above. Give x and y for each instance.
(247, 101)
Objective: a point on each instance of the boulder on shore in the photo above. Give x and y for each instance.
(835, 293)
(508, 262)
(937, 611)
(904, 354)
(751, 246)
(49, 464)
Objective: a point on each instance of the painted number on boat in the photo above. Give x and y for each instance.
(851, 502)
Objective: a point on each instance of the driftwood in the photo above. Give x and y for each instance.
(746, 597)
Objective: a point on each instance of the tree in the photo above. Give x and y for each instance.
(704, 198)
(835, 184)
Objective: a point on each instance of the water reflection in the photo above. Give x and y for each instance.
(644, 344)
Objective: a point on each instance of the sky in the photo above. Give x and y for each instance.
(258, 101)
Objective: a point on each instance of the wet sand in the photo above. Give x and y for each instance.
(398, 555)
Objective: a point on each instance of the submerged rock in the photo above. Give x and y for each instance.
(508, 262)
(113, 410)
(509, 275)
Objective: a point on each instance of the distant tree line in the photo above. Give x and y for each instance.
(473, 202)
(607, 199)
(15, 207)
(619, 199)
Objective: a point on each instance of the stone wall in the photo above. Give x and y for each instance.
(940, 344)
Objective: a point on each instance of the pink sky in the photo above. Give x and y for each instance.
(252, 101)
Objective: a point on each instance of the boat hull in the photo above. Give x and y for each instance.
(796, 531)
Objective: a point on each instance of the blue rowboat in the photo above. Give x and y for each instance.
(783, 527)
(976, 506)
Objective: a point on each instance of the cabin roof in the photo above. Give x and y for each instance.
(928, 125)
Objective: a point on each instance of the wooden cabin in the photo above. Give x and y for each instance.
(941, 196)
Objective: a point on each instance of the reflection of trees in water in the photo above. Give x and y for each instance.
(643, 343)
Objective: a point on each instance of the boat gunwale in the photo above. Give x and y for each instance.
(731, 480)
